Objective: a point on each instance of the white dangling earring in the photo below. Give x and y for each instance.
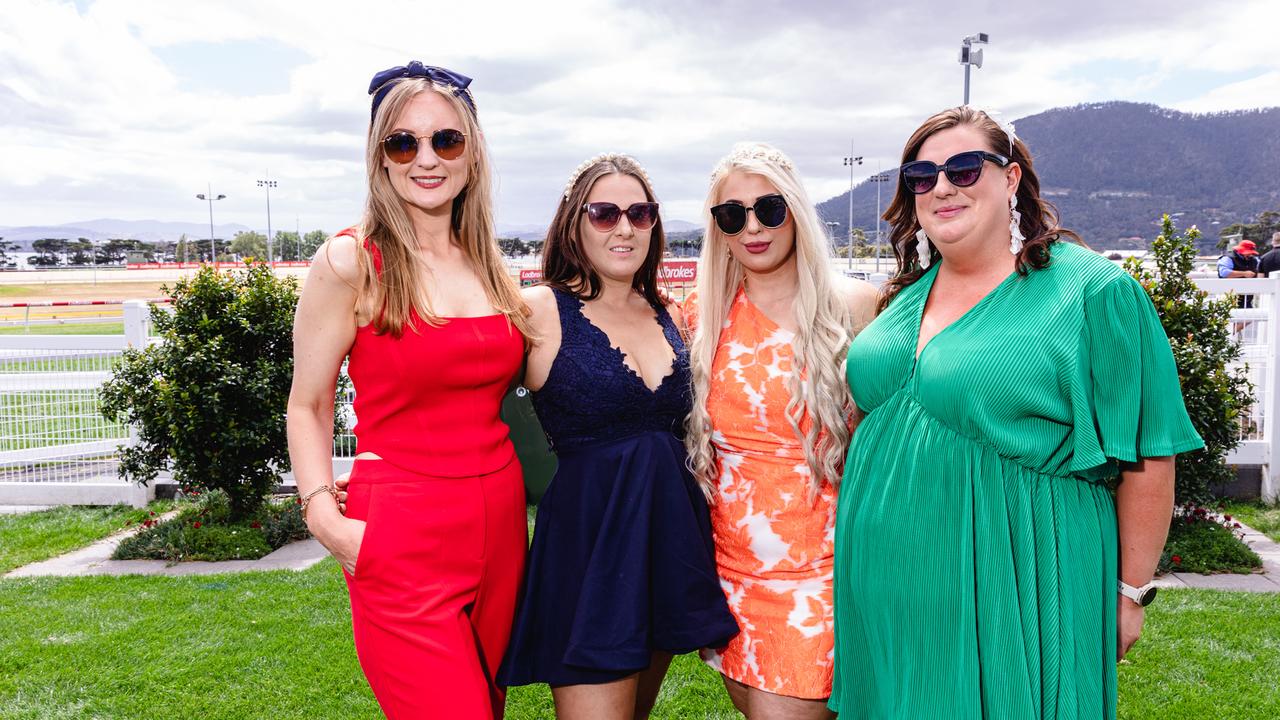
(1016, 238)
(923, 250)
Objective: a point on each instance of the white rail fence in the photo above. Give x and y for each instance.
(1254, 324)
(56, 448)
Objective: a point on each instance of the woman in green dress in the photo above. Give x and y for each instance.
(984, 569)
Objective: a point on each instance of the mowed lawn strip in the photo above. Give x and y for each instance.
(32, 537)
(1205, 654)
(278, 645)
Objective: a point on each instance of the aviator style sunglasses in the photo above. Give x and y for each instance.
(402, 147)
(731, 217)
(604, 216)
(962, 169)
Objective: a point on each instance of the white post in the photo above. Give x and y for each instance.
(137, 323)
(137, 326)
(1270, 483)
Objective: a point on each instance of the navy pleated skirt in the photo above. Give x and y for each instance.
(622, 564)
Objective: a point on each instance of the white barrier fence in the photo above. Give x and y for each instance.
(1254, 325)
(56, 448)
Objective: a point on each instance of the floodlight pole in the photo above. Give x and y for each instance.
(851, 161)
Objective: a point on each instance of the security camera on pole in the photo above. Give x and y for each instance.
(971, 56)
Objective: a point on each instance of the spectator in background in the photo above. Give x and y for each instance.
(1241, 262)
(1270, 260)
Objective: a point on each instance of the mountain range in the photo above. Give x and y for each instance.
(1112, 169)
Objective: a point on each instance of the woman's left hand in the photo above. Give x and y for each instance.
(1129, 618)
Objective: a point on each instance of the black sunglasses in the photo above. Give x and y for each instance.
(605, 216)
(402, 147)
(731, 217)
(962, 170)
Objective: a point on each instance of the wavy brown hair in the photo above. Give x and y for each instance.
(1039, 217)
(401, 287)
(565, 264)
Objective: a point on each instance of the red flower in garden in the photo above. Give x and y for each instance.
(255, 524)
(1177, 559)
(1227, 518)
(195, 524)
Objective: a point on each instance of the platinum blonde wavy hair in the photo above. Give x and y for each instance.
(817, 382)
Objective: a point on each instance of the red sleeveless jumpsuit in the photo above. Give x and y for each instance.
(439, 569)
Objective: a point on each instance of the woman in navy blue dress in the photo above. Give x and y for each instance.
(621, 573)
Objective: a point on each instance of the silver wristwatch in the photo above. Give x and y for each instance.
(1140, 595)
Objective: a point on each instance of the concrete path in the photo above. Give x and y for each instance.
(22, 509)
(96, 560)
(1266, 581)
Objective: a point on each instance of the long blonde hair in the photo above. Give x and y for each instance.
(817, 382)
(401, 287)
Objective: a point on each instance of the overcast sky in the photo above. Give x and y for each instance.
(127, 108)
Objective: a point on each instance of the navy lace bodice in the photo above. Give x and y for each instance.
(591, 395)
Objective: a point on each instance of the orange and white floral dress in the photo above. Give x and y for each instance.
(774, 546)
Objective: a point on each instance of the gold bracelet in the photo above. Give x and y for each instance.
(306, 499)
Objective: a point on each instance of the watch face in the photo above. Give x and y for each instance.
(1147, 596)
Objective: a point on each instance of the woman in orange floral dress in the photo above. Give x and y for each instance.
(770, 424)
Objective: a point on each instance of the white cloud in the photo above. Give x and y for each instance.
(88, 109)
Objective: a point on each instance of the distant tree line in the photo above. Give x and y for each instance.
(64, 252)
(1261, 231)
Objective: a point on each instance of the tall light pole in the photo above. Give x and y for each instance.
(268, 184)
(971, 56)
(851, 161)
(879, 179)
(213, 248)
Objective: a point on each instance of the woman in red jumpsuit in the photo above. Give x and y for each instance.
(432, 545)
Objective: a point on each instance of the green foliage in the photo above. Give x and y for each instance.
(1263, 518)
(249, 244)
(207, 531)
(1199, 331)
(209, 400)
(1199, 543)
(1260, 231)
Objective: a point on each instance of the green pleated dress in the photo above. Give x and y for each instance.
(976, 547)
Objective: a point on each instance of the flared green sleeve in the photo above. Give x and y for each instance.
(1127, 401)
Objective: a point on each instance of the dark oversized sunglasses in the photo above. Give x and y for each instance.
(402, 147)
(962, 169)
(604, 216)
(731, 217)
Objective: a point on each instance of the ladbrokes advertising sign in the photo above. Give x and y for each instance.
(671, 271)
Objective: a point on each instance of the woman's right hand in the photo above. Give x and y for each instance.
(340, 484)
(343, 540)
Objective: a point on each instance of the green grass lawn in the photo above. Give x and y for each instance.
(98, 328)
(1263, 518)
(32, 537)
(278, 645)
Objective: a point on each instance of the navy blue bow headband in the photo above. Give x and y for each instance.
(385, 80)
